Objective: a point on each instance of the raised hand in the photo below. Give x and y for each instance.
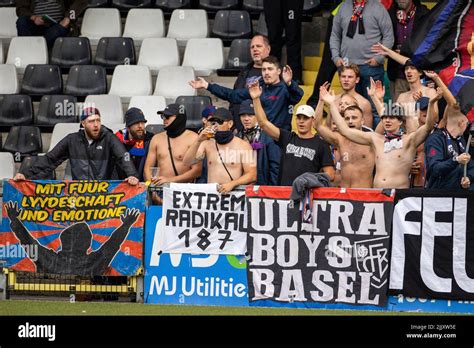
(287, 74)
(12, 210)
(327, 96)
(326, 85)
(431, 74)
(199, 83)
(255, 90)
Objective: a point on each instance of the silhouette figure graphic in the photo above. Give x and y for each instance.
(75, 242)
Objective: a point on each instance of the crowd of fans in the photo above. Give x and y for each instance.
(418, 139)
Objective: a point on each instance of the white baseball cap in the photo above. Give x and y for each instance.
(305, 110)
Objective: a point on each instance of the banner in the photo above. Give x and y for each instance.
(199, 220)
(341, 258)
(443, 42)
(433, 245)
(215, 280)
(73, 227)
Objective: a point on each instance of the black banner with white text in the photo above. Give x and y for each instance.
(341, 258)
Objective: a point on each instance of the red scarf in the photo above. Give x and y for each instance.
(404, 17)
(357, 9)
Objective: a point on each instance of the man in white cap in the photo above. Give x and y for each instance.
(300, 153)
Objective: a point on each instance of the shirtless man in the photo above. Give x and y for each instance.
(394, 152)
(230, 160)
(180, 139)
(349, 77)
(357, 161)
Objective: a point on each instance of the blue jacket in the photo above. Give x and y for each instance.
(268, 161)
(276, 99)
(442, 172)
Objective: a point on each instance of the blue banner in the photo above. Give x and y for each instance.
(216, 280)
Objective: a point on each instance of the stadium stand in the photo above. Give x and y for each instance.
(7, 169)
(8, 19)
(101, 22)
(237, 59)
(131, 80)
(144, 23)
(113, 51)
(16, 109)
(69, 51)
(172, 82)
(188, 24)
(41, 79)
(126, 5)
(229, 25)
(98, 3)
(171, 5)
(24, 140)
(216, 5)
(149, 105)
(204, 64)
(194, 105)
(110, 107)
(26, 50)
(60, 130)
(253, 6)
(86, 79)
(9, 78)
(55, 109)
(152, 57)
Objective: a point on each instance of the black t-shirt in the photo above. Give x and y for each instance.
(299, 156)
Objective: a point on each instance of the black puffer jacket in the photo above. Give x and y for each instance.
(88, 162)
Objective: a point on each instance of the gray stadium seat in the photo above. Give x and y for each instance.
(25, 140)
(152, 57)
(16, 109)
(7, 169)
(188, 24)
(113, 51)
(60, 130)
(41, 79)
(55, 109)
(86, 79)
(238, 58)
(101, 22)
(229, 25)
(173, 81)
(69, 51)
(194, 105)
(110, 107)
(144, 23)
(9, 78)
(131, 80)
(26, 50)
(204, 64)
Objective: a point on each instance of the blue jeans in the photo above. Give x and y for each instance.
(26, 27)
(366, 72)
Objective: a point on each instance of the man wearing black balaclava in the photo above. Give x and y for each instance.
(231, 161)
(167, 150)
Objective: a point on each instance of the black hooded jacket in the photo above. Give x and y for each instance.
(93, 161)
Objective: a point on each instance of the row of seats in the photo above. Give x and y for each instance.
(155, 53)
(149, 23)
(83, 80)
(253, 6)
(17, 109)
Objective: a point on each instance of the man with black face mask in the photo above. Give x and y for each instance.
(167, 149)
(231, 161)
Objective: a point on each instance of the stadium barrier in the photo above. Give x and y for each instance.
(335, 251)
